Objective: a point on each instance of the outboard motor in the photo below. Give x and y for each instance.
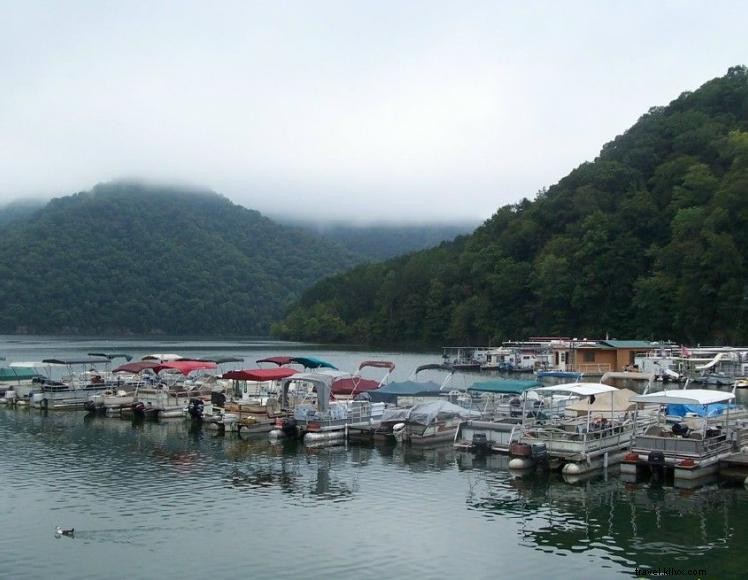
(540, 455)
(289, 427)
(218, 399)
(480, 443)
(195, 408)
(656, 460)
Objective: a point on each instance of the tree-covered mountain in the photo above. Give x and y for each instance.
(131, 258)
(381, 241)
(647, 241)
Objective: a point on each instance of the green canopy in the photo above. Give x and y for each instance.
(503, 386)
(17, 374)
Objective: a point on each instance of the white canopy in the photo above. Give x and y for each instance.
(33, 365)
(581, 389)
(685, 397)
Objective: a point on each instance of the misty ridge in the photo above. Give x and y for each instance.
(368, 241)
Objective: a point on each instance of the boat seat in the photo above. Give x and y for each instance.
(695, 435)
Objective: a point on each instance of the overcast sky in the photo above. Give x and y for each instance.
(369, 110)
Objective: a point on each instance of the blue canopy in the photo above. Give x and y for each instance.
(310, 362)
(504, 386)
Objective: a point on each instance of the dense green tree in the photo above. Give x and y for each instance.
(129, 258)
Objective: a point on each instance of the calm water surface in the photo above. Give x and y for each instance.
(160, 499)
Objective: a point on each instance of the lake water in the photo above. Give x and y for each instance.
(163, 500)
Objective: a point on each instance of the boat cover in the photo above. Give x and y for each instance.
(111, 356)
(713, 410)
(353, 385)
(276, 360)
(136, 367)
(75, 361)
(259, 375)
(380, 364)
(391, 391)
(185, 366)
(310, 362)
(685, 397)
(503, 386)
(18, 373)
(427, 413)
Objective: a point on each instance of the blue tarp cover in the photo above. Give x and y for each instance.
(713, 410)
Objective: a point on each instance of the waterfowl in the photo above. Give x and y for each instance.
(61, 532)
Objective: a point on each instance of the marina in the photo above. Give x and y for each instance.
(126, 483)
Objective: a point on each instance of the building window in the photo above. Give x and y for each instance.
(589, 356)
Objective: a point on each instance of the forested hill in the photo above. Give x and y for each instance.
(130, 258)
(647, 241)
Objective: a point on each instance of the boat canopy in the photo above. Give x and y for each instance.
(379, 364)
(75, 361)
(391, 391)
(311, 362)
(137, 366)
(435, 367)
(685, 397)
(161, 357)
(410, 388)
(18, 373)
(581, 389)
(219, 360)
(427, 413)
(259, 375)
(276, 360)
(185, 366)
(111, 356)
(618, 400)
(353, 385)
(509, 386)
(322, 384)
(32, 365)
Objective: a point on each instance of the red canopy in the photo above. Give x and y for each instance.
(259, 375)
(353, 385)
(380, 364)
(278, 360)
(137, 366)
(185, 366)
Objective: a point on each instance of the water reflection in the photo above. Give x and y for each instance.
(630, 525)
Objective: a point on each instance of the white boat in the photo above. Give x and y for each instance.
(18, 380)
(431, 422)
(251, 404)
(317, 419)
(501, 410)
(171, 397)
(585, 426)
(692, 447)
